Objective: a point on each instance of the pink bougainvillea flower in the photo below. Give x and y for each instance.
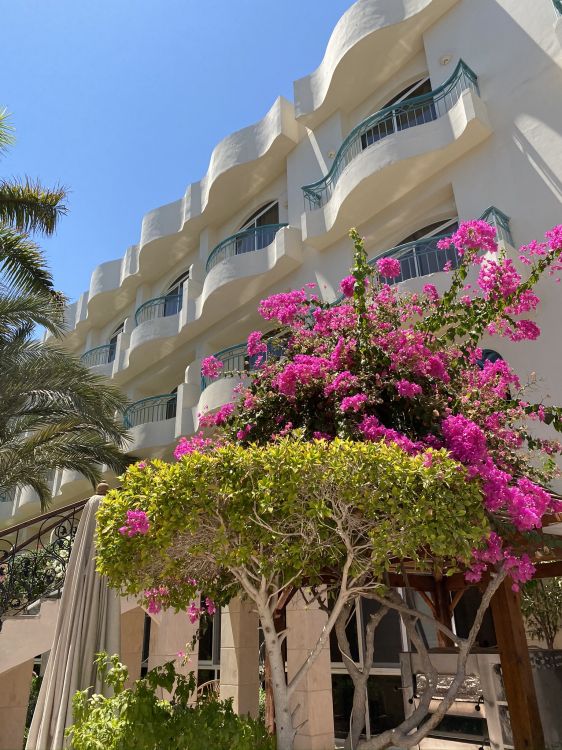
(255, 344)
(211, 367)
(389, 268)
(137, 523)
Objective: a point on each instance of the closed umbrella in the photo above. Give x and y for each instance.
(88, 622)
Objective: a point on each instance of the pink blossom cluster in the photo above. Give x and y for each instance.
(498, 278)
(156, 599)
(194, 612)
(406, 389)
(255, 344)
(389, 268)
(303, 370)
(211, 367)
(372, 429)
(285, 307)
(137, 523)
(519, 568)
(194, 444)
(354, 403)
(472, 235)
(218, 418)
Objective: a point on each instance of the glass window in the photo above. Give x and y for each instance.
(174, 296)
(388, 635)
(385, 702)
(264, 222)
(113, 342)
(424, 257)
(464, 618)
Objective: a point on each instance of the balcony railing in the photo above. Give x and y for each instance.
(558, 6)
(33, 558)
(159, 307)
(101, 355)
(154, 409)
(391, 119)
(420, 258)
(247, 241)
(236, 360)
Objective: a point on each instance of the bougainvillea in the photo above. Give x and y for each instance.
(383, 364)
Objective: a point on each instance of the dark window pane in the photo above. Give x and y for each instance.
(464, 618)
(388, 641)
(351, 630)
(386, 707)
(342, 699)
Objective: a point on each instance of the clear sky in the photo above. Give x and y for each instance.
(122, 101)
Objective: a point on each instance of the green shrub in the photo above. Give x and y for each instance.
(136, 719)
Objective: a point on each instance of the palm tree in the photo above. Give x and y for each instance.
(54, 414)
(25, 207)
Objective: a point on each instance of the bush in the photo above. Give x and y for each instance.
(136, 719)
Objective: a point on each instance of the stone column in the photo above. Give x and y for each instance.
(15, 685)
(132, 635)
(169, 634)
(314, 693)
(240, 657)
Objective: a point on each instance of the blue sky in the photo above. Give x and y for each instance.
(122, 101)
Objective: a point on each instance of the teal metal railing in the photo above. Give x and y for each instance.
(420, 258)
(235, 359)
(154, 409)
(558, 6)
(159, 307)
(396, 117)
(501, 221)
(100, 355)
(246, 241)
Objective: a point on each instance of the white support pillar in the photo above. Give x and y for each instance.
(240, 657)
(313, 696)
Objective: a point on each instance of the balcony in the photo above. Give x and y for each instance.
(242, 267)
(393, 152)
(247, 241)
(159, 307)
(420, 258)
(395, 118)
(148, 410)
(236, 360)
(100, 355)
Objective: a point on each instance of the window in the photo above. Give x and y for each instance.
(171, 405)
(403, 115)
(113, 343)
(174, 296)
(259, 230)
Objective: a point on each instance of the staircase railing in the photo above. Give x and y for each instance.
(34, 556)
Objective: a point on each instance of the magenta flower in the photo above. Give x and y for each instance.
(407, 389)
(136, 523)
(389, 268)
(347, 286)
(211, 367)
(353, 403)
(255, 344)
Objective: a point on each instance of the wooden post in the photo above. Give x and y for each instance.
(442, 609)
(516, 668)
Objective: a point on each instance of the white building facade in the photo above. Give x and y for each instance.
(422, 113)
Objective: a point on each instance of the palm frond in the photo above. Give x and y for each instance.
(25, 311)
(22, 262)
(29, 207)
(6, 130)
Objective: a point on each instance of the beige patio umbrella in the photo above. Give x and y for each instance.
(88, 622)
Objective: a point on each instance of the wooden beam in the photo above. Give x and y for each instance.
(516, 669)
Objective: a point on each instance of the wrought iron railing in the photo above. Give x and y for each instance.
(159, 307)
(101, 355)
(34, 555)
(501, 222)
(235, 359)
(246, 241)
(420, 258)
(558, 6)
(154, 409)
(405, 114)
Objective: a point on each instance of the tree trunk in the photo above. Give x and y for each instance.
(358, 712)
(284, 729)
